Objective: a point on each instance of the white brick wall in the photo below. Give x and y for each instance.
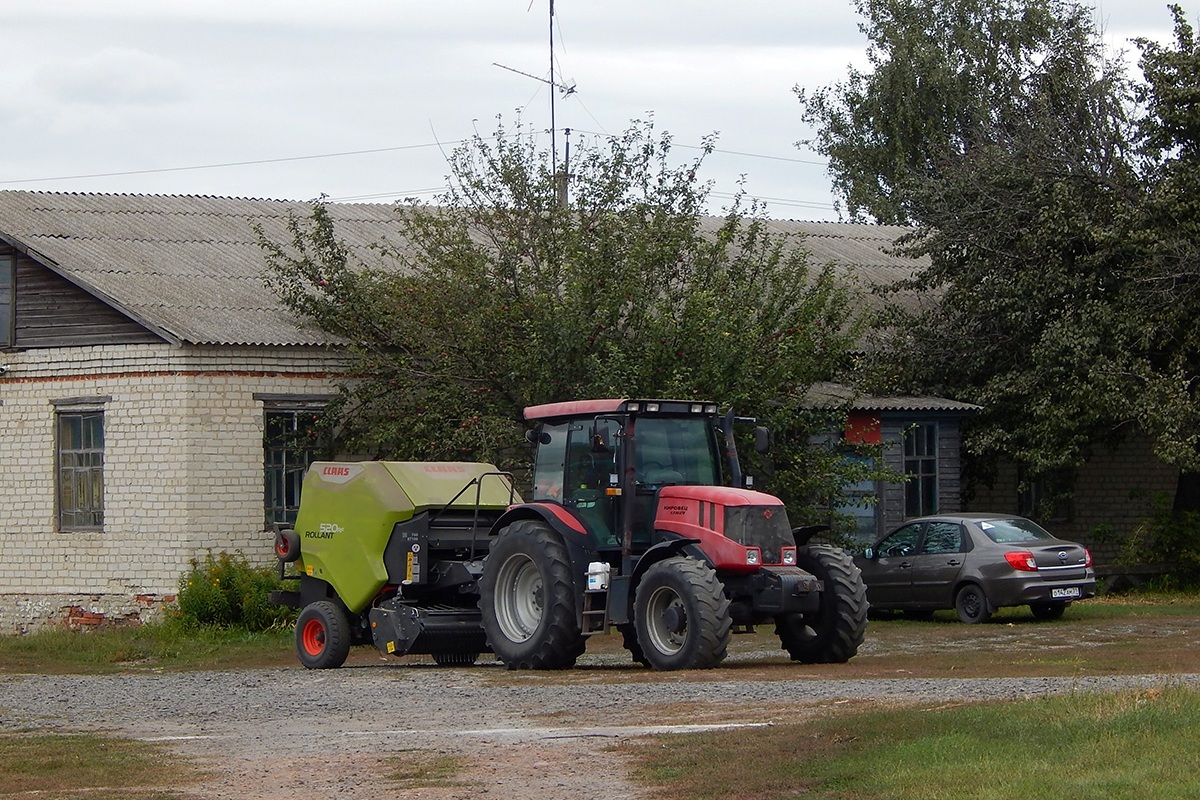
(183, 469)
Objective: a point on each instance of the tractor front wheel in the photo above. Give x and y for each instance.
(832, 634)
(322, 635)
(527, 596)
(681, 615)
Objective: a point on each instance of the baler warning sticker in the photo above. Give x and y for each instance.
(408, 569)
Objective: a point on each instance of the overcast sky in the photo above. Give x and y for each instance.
(280, 98)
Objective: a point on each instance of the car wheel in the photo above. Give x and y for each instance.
(1047, 610)
(971, 604)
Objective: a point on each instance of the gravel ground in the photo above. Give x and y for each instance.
(301, 735)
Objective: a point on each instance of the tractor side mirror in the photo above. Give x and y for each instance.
(534, 437)
(762, 439)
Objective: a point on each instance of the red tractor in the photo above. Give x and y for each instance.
(640, 519)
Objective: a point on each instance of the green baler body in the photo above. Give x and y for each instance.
(349, 509)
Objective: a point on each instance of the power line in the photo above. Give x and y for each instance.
(232, 163)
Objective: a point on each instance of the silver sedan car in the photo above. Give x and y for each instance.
(974, 564)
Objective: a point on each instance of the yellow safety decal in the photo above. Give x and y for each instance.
(391, 648)
(408, 567)
(310, 570)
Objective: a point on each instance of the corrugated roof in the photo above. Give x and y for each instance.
(190, 267)
(836, 395)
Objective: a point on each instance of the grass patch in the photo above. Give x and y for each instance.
(1122, 745)
(421, 769)
(169, 645)
(90, 767)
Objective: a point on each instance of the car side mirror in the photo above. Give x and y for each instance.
(869, 553)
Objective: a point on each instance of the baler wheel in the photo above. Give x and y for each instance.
(322, 635)
(682, 615)
(287, 545)
(832, 634)
(527, 597)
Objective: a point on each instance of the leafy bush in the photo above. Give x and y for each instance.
(226, 591)
(1171, 538)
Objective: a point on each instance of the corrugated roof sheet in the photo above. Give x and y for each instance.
(836, 395)
(190, 267)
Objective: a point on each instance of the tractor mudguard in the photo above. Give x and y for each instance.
(581, 545)
(806, 532)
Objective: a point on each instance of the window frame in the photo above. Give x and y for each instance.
(283, 480)
(8, 301)
(90, 455)
(922, 468)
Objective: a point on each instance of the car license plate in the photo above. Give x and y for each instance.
(1070, 591)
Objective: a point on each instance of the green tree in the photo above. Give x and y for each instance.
(502, 295)
(946, 77)
(1165, 280)
(1002, 131)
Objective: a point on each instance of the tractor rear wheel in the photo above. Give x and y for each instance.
(832, 634)
(681, 615)
(528, 598)
(322, 635)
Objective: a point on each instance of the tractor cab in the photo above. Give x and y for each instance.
(608, 460)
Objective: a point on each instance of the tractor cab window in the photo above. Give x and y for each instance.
(549, 463)
(676, 451)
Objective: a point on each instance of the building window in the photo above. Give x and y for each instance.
(921, 467)
(291, 441)
(8, 297)
(80, 457)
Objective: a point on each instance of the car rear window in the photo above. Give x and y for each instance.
(1011, 531)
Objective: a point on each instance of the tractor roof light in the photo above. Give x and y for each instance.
(696, 408)
(710, 408)
(633, 407)
(652, 407)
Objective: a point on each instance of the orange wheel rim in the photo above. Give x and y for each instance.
(313, 637)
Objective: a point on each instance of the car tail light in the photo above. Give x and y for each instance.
(1022, 560)
(1087, 557)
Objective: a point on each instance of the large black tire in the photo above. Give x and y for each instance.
(971, 605)
(322, 635)
(681, 615)
(833, 633)
(529, 599)
(630, 641)
(1048, 610)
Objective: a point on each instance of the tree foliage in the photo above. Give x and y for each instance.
(502, 296)
(1055, 199)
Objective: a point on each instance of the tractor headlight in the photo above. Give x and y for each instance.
(696, 408)
(789, 556)
(753, 556)
(652, 407)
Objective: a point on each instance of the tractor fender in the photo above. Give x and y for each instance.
(581, 546)
(806, 532)
(622, 589)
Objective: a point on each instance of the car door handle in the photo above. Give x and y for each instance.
(954, 562)
(904, 565)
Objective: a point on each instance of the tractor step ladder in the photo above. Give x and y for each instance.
(595, 612)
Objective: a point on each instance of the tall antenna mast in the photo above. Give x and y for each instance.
(553, 139)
